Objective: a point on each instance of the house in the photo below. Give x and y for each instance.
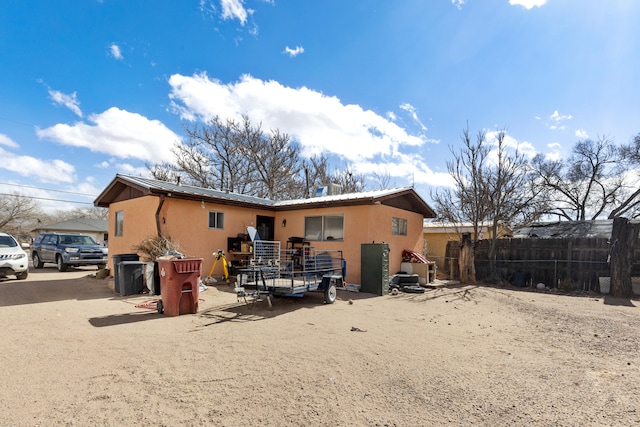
(96, 228)
(438, 234)
(204, 221)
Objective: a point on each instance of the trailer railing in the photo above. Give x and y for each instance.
(290, 271)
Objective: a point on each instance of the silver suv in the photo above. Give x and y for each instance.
(13, 259)
(65, 249)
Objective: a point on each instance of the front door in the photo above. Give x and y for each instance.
(265, 226)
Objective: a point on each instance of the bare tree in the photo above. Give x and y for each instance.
(382, 178)
(491, 184)
(624, 238)
(165, 172)
(349, 182)
(18, 214)
(88, 212)
(275, 169)
(629, 200)
(216, 155)
(318, 172)
(587, 184)
(238, 156)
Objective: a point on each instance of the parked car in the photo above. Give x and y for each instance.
(65, 249)
(13, 259)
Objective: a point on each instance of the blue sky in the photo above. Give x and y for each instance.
(93, 88)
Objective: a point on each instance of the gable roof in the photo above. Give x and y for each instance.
(78, 225)
(124, 187)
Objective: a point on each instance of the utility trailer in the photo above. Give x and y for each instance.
(290, 272)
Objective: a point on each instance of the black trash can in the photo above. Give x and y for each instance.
(131, 276)
(117, 259)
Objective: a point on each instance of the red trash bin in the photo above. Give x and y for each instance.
(179, 285)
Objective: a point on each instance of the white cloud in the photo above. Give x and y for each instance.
(458, 3)
(118, 133)
(234, 9)
(293, 52)
(320, 123)
(414, 114)
(5, 140)
(528, 4)
(42, 170)
(114, 49)
(524, 147)
(554, 153)
(582, 134)
(557, 117)
(69, 101)
(407, 168)
(129, 169)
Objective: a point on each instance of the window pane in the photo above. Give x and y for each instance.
(403, 227)
(333, 228)
(216, 220)
(220, 220)
(119, 223)
(399, 226)
(313, 228)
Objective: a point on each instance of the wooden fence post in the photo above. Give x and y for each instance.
(623, 240)
(467, 261)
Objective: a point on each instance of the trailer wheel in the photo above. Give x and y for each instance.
(330, 294)
(413, 289)
(160, 307)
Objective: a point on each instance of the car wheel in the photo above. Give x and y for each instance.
(22, 276)
(37, 262)
(330, 294)
(160, 307)
(61, 264)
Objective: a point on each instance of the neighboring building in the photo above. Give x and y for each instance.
(566, 229)
(204, 220)
(437, 234)
(96, 228)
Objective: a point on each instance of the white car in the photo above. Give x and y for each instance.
(13, 259)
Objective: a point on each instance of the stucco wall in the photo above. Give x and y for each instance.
(139, 223)
(436, 239)
(187, 222)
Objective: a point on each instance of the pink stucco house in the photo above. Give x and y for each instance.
(205, 220)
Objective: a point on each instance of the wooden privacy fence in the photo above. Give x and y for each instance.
(568, 263)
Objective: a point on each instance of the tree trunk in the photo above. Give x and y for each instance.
(623, 240)
(467, 261)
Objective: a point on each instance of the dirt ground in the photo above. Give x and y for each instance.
(75, 353)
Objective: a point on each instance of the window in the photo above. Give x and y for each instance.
(216, 220)
(328, 227)
(399, 226)
(119, 222)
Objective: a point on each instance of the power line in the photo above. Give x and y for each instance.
(48, 189)
(49, 199)
(17, 122)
